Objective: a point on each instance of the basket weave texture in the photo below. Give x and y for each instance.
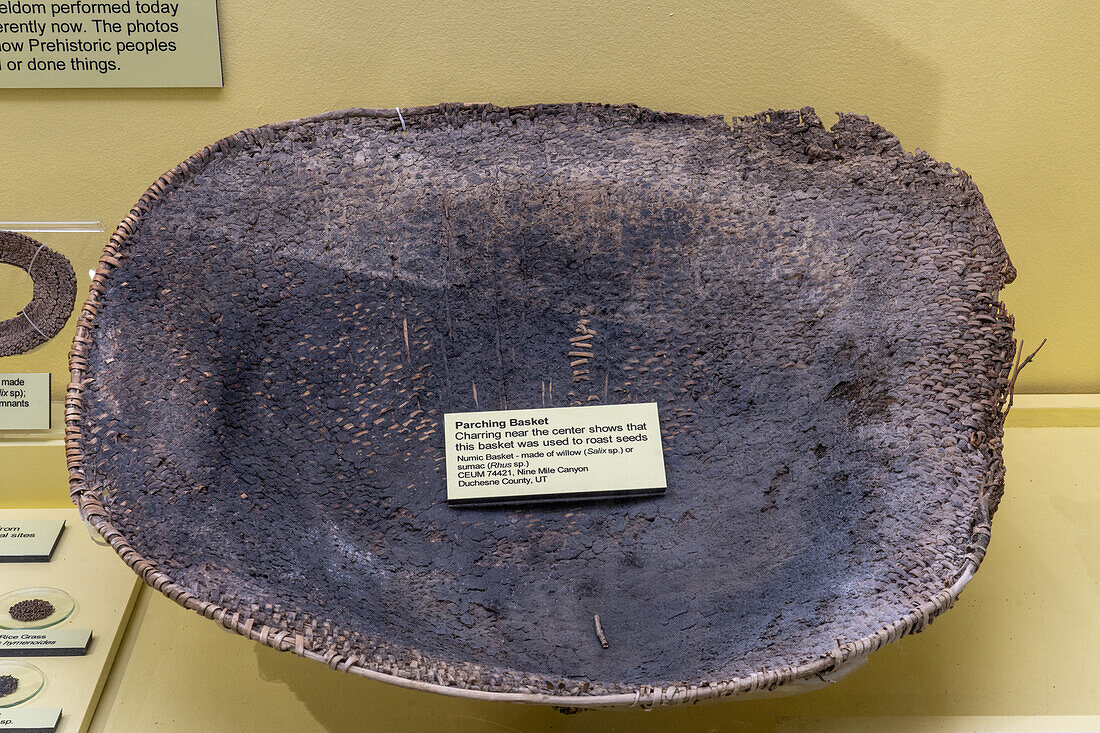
(52, 297)
(276, 330)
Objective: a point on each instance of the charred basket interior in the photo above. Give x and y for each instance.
(277, 329)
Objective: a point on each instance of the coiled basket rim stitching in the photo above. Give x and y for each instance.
(845, 656)
(52, 297)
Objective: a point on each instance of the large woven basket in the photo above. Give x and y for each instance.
(276, 330)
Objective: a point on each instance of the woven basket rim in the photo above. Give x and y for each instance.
(826, 668)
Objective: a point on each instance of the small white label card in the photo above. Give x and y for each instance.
(25, 401)
(29, 720)
(542, 454)
(44, 642)
(29, 540)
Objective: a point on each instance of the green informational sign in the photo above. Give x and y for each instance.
(29, 540)
(25, 401)
(109, 44)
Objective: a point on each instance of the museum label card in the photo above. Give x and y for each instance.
(44, 642)
(29, 720)
(132, 43)
(29, 540)
(25, 400)
(507, 456)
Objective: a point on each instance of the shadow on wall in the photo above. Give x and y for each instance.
(343, 702)
(830, 53)
(708, 57)
(704, 57)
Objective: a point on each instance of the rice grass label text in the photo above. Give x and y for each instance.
(45, 642)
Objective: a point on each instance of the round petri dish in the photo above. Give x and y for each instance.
(17, 610)
(29, 681)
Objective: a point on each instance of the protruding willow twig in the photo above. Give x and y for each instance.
(1016, 371)
(408, 351)
(599, 631)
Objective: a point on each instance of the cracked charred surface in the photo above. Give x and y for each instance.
(814, 311)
